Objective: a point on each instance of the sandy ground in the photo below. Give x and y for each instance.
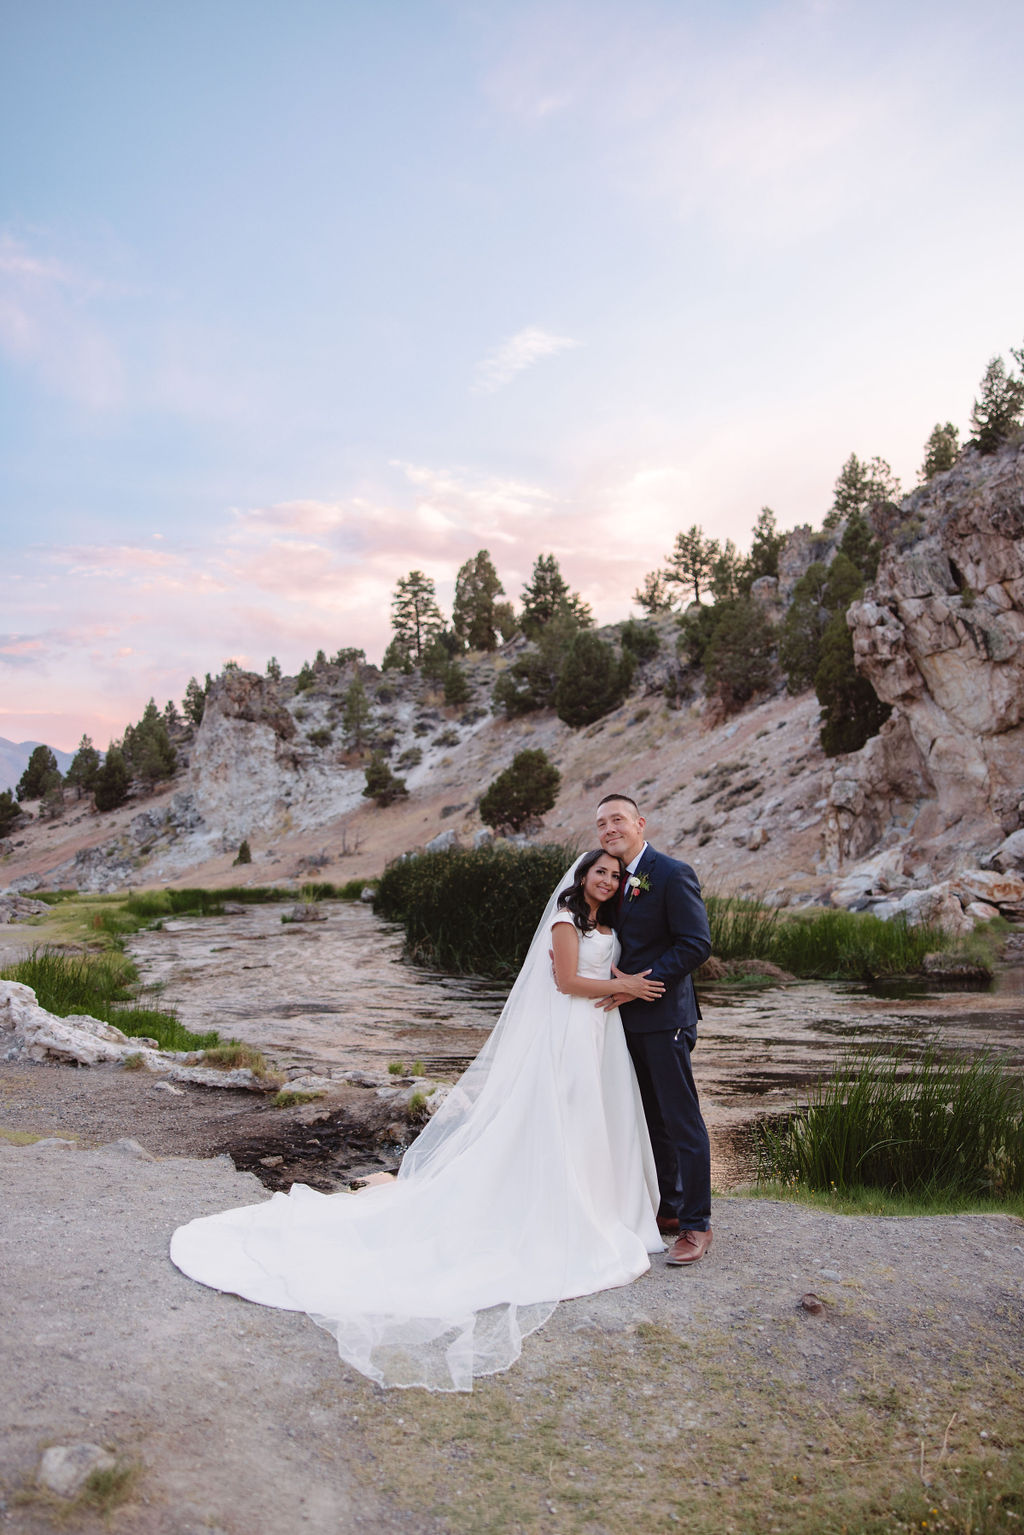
(244, 1421)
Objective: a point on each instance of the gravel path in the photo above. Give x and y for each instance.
(244, 1422)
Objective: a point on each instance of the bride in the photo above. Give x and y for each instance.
(534, 1182)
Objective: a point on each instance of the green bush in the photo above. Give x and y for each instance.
(819, 944)
(907, 1126)
(471, 912)
(640, 638)
(593, 680)
(525, 790)
(382, 785)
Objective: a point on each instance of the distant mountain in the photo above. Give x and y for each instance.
(14, 757)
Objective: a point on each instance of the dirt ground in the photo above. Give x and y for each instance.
(710, 1398)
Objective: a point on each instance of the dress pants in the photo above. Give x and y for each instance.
(679, 1136)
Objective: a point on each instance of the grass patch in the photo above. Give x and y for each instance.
(823, 945)
(289, 1099)
(909, 1126)
(102, 986)
(108, 1487)
(730, 1434)
(860, 1200)
(235, 1056)
(471, 911)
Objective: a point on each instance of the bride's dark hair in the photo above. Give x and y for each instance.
(573, 900)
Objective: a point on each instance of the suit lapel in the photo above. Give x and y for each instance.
(643, 867)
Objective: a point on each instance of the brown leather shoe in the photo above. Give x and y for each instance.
(689, 1247)
(667, 1225)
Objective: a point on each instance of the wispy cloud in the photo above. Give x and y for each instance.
(520, 351)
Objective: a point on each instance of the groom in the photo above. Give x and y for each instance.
(662, 926)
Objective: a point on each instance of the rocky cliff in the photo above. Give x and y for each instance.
(940, 634)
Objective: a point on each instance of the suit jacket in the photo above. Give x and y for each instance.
(664, 929)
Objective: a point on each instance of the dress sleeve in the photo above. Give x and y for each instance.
(561, 916)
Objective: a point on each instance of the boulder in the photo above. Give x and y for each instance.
(994, 888)
(65, 1468)
(1009, 855)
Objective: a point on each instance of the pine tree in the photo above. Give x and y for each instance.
(356, 713)
(397, 659)
(860, 486)
(38, 774)
(851, 710)
(692, 561)
(415, 615)
(803, 627)
(85, 764)
(739, 659)
(547, 597)
(194, 702)
(456, 688)
(997, 411)
(525, 791)
(10, 812)
(113, 780)
(274, 669)
(726, 572)
(763, 559)
(940, 451)
(474, 611)
(147, 747)
(382, 785)
(653, 596)
(593, 680)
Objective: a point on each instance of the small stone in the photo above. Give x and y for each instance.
(811, 1303)
(271, 1161)
(65, 1468)
(832, 1274)
(169, 1087)
(129, 1148)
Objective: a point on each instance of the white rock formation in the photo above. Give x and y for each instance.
(940, 635)
(29, 1032)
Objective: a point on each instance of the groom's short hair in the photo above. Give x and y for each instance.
(625, 797)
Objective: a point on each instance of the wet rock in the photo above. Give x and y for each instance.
(306, 911)
(65, 1468)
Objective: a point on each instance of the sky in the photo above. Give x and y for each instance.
(297, 298)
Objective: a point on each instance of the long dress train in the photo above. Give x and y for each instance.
(534, 1182)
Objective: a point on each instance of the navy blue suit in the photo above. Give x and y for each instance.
(665, 929)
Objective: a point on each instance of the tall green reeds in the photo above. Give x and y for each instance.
(102, 986)
(472, 911)
(826, 945)
(934, 1124)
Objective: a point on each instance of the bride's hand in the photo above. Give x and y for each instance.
(638, 987)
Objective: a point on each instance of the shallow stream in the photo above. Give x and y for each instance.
(336, 993)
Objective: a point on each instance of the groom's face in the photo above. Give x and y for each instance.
(620, 829)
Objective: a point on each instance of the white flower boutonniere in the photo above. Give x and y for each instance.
(637, 884)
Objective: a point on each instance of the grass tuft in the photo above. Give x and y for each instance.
(906, 1126)
(101, 986)
(289, 1098)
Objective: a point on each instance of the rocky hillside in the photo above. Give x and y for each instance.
(927, 818)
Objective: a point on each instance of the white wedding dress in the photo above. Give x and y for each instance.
(534, 1182)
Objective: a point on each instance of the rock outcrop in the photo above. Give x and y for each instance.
(940, 635)
(249, 770)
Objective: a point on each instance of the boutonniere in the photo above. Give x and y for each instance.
(637, 884)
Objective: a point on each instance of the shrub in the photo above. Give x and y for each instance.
(321, 737)
(382, 785)
(524, 791)
(471, 911)
(244, 854)
(910, 1127)
(593, 680)
(411, 757)
(640, 638)
(456, 688)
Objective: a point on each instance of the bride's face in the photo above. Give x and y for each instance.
(601, 880)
